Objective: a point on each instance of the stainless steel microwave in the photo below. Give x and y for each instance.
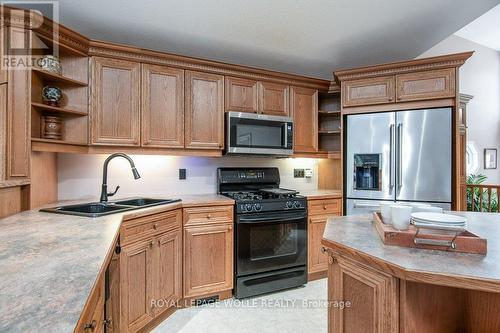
(258, 134)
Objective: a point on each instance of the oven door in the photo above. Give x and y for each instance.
(248, 133)
(269, 241)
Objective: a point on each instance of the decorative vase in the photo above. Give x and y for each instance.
(52, 127)
(51, 63)
(51, 95)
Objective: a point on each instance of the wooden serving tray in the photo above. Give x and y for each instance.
(465, 242)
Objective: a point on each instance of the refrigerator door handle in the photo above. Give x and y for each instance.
(361, 204)
(399, 178)
(391, 151)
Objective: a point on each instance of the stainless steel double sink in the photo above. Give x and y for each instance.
(96, 209)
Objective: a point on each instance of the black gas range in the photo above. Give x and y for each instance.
(270, 231)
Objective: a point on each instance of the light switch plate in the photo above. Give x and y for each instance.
(182, 174)
(298, 173)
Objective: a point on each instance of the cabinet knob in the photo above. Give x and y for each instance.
(155, 226)
(391, 99)
(324, 207)
(90, 327)
(209, 216)
(151, 244)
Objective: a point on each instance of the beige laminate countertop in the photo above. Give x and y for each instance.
(322, 194)
(50, 262)
(355, 237)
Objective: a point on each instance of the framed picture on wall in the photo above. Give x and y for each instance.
(490, 158)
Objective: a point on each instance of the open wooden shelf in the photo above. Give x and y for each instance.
(58, 110)
(54, 77)
(329, 113)
(329, 132)
(58, 146)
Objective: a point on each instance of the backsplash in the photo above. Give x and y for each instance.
(80, 176)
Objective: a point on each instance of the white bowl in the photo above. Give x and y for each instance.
(401, 216)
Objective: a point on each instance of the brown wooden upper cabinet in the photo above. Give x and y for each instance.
(204, 110)
(162, 107)
(247, 95)
(304, 110)
(378, 90)
(241, 95)
(273, 98)
(426, 85)
(115, 108)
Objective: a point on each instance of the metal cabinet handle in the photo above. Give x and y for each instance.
(391, 151)
(400, 153)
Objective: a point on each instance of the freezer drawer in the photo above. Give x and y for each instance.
(370, 140)
(423, 163)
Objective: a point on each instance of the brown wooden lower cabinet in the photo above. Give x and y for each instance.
(92, 319)
(319, 212)
(372, 295)
(208, 259)
(145, 278)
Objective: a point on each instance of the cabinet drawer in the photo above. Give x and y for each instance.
(208, 215)
(92, 320)
(322, 207)
(136, 229)
(426, 85)
(378, 90)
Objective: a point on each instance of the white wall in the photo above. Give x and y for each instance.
(480, 77)
(81, 175)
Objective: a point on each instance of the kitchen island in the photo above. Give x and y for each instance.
(395, 289)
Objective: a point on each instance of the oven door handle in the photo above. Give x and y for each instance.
(270, 219)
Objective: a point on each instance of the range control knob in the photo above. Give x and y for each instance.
(296, 204)
(248, 207)
(257, 207)
(289, 204)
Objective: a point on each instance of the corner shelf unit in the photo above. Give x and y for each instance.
(73, 107)
(329, 123)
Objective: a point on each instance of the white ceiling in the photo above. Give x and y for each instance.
(485, 30)
(308, 37)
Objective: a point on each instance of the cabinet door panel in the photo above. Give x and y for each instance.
(241, 94)
(162, 106)
(273, 98)
(377, 90)
(136, 285)
(208, 261)
(426, 85)
(373, 296)
(317, 260)
(304, 110)
(115, 112)
(168, 270)
(204, 126)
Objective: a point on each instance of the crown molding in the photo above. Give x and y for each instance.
(445, 61)
(126, 52)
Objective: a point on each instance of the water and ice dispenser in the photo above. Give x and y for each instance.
(367, 172)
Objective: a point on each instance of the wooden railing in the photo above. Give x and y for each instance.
(483, 198)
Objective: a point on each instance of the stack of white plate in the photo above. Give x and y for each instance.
(438, 221)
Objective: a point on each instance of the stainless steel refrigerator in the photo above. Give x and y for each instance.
(398, 156)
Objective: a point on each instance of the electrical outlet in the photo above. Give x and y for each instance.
(298, 173)
(308, 173)
(182, 174)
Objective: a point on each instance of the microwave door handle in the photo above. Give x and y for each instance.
(285, 135)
